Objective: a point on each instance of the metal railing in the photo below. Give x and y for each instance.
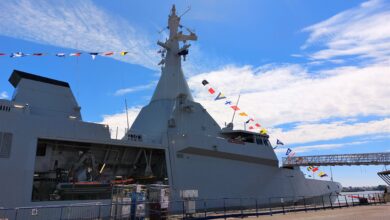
(385, 175)
(202, 209)
(339, 160)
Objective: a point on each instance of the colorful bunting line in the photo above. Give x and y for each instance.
(229, 103)
(315, 169)
(74, 54)
(289, 153)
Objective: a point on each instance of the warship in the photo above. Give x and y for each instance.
(49, 155)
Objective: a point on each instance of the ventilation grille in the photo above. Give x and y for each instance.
(5, 144)
(5, 108)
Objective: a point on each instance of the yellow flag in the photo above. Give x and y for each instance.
(263, 131)
(243, 114)
(123, 53)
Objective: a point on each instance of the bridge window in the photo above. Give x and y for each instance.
(262, 141)
(135, 137)
(259, 140)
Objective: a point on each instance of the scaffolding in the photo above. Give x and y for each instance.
(338, 160)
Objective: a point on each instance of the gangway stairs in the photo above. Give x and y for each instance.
(385, 175)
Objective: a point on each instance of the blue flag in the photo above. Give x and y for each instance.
(220, 96)
(228, 102)
(288, 151)
(278, 142)
(18, 54)
(93, 55)
(60, 54)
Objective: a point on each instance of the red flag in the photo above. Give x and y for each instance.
(258, 125)
(251, 119)
(314, 169)
(37, 54)
(235, 108)
(211, 91)
(108, 53)
(75, 54)
(251, 127)
(2, 54)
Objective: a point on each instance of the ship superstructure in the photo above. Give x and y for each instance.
(50, 156)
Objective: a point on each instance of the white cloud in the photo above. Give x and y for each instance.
(78, 25)
(362, 31)
(135, 89)
(118, 122)
(4, 95)
(328, 131)
(278, 95)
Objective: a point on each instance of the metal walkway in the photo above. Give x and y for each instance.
(385, 175)
(338, 160)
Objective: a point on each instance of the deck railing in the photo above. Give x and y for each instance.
(195, 209)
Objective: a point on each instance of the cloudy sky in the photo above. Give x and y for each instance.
(315, 74)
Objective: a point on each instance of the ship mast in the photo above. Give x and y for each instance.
(172, 82)
(171, 45)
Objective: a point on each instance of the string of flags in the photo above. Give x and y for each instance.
(249, 120)
(315, 169)
(74, 54)
(290, 153)
(253, 124)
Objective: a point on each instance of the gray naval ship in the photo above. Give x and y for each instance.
(49, 155)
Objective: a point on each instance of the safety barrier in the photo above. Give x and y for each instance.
(194, 209)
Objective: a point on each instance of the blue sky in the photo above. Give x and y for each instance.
(314, 73)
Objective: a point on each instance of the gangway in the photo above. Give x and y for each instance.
(342, 160)
(338, 160)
